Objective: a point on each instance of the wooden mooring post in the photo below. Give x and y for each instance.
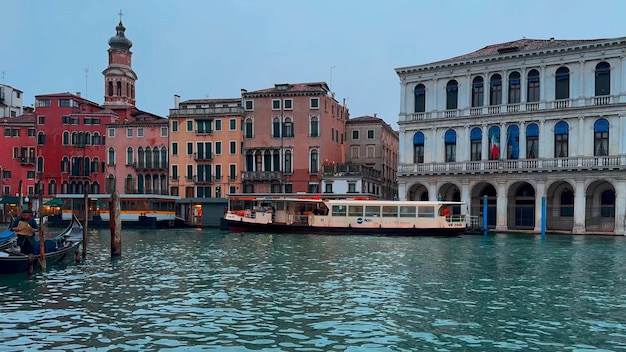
(42, 237)
(85, 224)
(115, 222)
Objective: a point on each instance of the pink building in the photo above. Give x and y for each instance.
(290, 132)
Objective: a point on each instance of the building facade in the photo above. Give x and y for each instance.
(372, 142)
(529, 126)
(11, 101)
(289, 132)
(206, 155)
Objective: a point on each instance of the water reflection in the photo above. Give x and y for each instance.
(186, 289)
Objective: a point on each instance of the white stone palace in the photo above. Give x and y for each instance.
(522, 123)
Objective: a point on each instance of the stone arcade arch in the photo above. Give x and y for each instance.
(476, 203)
(560, 206)
(600, 207)
(417, 192)
(450, 192)
(521, 206)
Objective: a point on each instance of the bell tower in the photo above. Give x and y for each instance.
(119, 77)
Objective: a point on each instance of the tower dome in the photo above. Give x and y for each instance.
(119, 41)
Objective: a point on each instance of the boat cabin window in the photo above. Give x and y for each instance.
(407, 211)
(355, 210)
(339, 210)
(390, 211)
(280, 205)
(372, 210)
(426, 212)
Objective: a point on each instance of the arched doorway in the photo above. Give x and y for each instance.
(560, 207)
(417, 192)
(521, 209)
(476, 208)
(450, 192)
(600, 207)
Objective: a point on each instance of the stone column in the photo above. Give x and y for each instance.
(522, 140)
(543, 136)
(539, 193)
(484, 152)
(434, 148)
(501, 206)
(504, 147)
(620, 207)
(403, 99)
(579, 207)
(581, 139)
(432, 191)
(465, 197)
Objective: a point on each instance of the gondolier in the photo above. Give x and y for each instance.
(25, 226)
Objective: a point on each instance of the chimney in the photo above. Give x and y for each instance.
(244, 91)
(78, 94)
(176, 101)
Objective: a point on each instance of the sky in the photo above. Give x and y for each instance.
(213, 48)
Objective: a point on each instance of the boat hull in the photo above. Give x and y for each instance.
(12, 261)
(242, 226)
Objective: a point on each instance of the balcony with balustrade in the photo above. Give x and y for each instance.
(586, 163)
(262, 176)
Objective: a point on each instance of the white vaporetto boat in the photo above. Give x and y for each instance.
(357, 216)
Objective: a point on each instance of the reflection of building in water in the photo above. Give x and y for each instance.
(515, 122)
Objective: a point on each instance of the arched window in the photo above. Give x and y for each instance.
(561, 84)
(418, 148)
(156, 160)
(249, 161)
(267, 160)
(66, 138)
(65, 164)
(95, 187)
(249, 128)
(512, 142)
(110, 184)
(288, 127)
(450, 143)
(601, 138)
(40, 164)
(141, 184)
(276, 127)
(476, 142)
(603, 79)
(514, 88)
(52, 188)
(95, 165)
(87, 138)
(276, 160)
(141, 158)
(420, 98)
(41, 138)
(533, 86)
(495, 90)
(111, 156)
(129, 184)
(314, 167)
(561, 134)
(288, 161)
(532, 141)
(148, 155)
(130, 156)
(494, 143)
(478, 92)
(314, 129)
(119, 88)
(452, 95)
(110, 88)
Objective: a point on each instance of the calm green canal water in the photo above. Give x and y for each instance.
(188, 290)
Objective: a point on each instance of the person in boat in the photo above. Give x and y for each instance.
(446, 212)
(25, 227)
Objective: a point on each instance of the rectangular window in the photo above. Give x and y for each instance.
(275, 104)
(328, 188)
(232, 171)
(189, 148)
(189, 125)
(129, 132)
(339, 210)
(43, 103)
(370, 134)
(249, 105)
(218, 125)
(354, 152)
(111, 132)
(351, 187)
(288, 187)
(41, 120)
(174, 126)
(140, 132)
(370, 151)
(64, 103)
(233, 147)
(288, 104)
(163, 132)
(315, 103)
(174, 148)
(426, 212)
(218, 148)
(390, 211)
(189, 174)
(355, 210)
(232, 124)
(407, 211)
(218, 172)
(355, 135)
